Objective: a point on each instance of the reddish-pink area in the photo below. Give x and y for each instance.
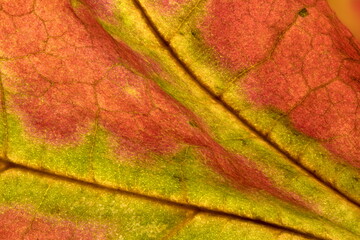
(18, 224)
(243, 33)
(103, 8)
(82, 74)
(58, 99)
(312, 75)
(243, 173)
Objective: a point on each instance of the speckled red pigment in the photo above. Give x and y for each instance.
(243, 32)
(313, 73)
(18, 224)
(71, 69)
(103, 8)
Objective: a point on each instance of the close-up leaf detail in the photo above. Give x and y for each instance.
(179, 119)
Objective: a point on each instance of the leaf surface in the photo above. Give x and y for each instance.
(178, 120)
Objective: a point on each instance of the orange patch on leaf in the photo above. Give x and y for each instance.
(17, 8)
(356, 5)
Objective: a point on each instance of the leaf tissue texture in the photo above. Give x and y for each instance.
(152, 119)
(289, 70)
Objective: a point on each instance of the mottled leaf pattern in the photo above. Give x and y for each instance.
(188, 119)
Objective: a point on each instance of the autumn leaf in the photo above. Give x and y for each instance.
(191, 119)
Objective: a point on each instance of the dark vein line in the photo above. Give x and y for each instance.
(4, 166)
(235, 113)
(175, 230)
(4, 117)
(157, 199)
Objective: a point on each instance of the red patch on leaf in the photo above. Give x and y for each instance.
(243, 33)
(58, 99)
(312, 74)
(244, 174)
(19, 224)
(103, 8)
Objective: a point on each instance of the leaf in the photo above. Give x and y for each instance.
(178, 120)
